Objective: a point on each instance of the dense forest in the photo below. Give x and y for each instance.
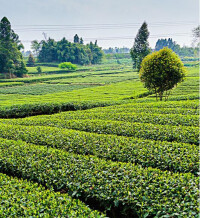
(65, 51)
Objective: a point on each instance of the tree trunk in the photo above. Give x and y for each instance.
(161, 95)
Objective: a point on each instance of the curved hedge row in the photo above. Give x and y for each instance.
(176, 157)
(153, 110)
(185, 134)
(25, 110)
(162, 119)
(192, 104)
(20, 198)
(126, 190)
(7, 84)
(36, 108)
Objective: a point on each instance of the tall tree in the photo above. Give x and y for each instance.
(141, 46)
(48, 52)
(81, 41)
(196, 35)
(7, 35)
(31, 61)
(11, 60)
(76, 39)
(36, 46)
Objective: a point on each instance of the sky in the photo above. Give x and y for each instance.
(114, 23)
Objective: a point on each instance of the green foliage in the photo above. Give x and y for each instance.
(36, 46)
(185, 134)
(161, 43)
(28, 109)
(20, 69)
(26, 105)
(118, 56)
(130, 88)
(67, 65)
(65, 51)
(31, 61)
(116, 50)
(39, 69)
(81, 41)
(96, 53)
(152, 108)
(137, 157)
(181, 51)
(11, 60)
(41, 89)
(10, 84)
(172, 156)
(21, 198)
(142, 117)
(141, 46)
(121, 189)
(161, 71)
(76, 39)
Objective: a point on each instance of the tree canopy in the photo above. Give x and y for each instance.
(35, 46)
(11, 60)
(65, 51)
(161, 43)
(161, 71)
(141, 46)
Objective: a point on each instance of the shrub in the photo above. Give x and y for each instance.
(39, 69)
(67, 65)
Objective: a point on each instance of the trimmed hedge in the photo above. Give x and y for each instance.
(176, 157)
(24, 110)
(188, 104)
(185, 134)
(122, 189)
(20, 198)
(143, 117)
(10, 84)
(133, 109)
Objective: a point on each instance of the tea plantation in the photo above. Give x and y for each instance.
(96, 143)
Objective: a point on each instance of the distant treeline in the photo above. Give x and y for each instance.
(118, 56)
(184, 51)
(181, 51)
(65, 51)
(116, 50)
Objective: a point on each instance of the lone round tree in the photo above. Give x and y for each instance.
(161, 71)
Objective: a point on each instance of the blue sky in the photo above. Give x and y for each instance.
(116, 20)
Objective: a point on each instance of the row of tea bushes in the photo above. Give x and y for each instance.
(185, 134)
(182, 111)
(25, 110)
(21, 198)
(143, 103)
(10, 84)
(143, 117)
(121, 189)
(176, 157)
